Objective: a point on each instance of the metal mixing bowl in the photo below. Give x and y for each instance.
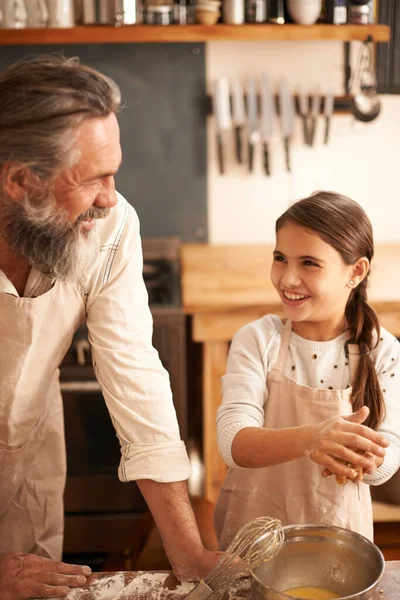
(321, 556)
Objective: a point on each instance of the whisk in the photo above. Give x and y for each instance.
(256, 542)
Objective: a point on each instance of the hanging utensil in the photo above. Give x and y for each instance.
(304, 109)
(364, 86)
(267, 119)
(328, 112)
(238, 117)
(287, 112)
(252, 119)
(255, 543)
(315, 108)
(223, 117)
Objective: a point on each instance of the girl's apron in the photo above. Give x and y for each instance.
(294, 492)
(35, 334)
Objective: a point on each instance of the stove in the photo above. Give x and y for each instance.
(161, 271)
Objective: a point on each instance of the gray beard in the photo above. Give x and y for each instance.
(58, 249)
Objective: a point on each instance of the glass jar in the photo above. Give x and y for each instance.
(158, 14)
(360, 14)
(183, 12)
(336, 12)
(256, 11)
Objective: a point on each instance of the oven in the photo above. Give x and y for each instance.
(101, 513)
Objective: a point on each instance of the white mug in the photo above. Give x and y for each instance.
(304, 12)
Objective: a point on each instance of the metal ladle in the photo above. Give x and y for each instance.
(366, 104)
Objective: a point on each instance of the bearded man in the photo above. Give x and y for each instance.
(70, 253)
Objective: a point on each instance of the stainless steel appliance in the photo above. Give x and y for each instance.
(101, 512)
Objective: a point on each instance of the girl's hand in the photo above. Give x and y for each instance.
(342, 479)
(341, 440)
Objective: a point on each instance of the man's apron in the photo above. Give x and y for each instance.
(35, 334)
(294, 492)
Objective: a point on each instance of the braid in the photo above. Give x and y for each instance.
(364, 327)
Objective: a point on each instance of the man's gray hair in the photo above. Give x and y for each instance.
(43, 100)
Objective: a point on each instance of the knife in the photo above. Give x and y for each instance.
(328, 111)
(315, 110)
(287, 112)
(238, 116)
(304, 110)
(223, 117)
(252, 118)
(267, 119)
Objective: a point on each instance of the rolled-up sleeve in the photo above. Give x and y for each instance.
(134, 383)
(244, 391)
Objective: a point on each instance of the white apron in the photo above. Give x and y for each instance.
(294, 492)
(35, 334)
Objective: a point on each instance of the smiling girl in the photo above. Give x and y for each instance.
(316, 394)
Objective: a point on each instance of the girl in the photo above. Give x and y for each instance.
(315, 395)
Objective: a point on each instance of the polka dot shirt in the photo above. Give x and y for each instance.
(253, 353)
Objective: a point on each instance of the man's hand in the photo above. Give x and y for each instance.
(24, 576)
(195, 568)
(173, 514)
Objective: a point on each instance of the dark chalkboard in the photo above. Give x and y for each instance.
(163, 128)
(388, 55)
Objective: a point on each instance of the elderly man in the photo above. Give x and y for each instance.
(70, 252)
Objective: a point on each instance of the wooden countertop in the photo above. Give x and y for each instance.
(162, 585)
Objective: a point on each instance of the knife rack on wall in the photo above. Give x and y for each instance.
(251, 126)
(342, 104)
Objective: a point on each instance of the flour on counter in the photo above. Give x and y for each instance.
(107, 588)
(152, 585)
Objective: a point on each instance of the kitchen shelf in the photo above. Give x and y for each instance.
(193, 33)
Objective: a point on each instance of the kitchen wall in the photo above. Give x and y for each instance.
(362, 160)
(162, 127)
